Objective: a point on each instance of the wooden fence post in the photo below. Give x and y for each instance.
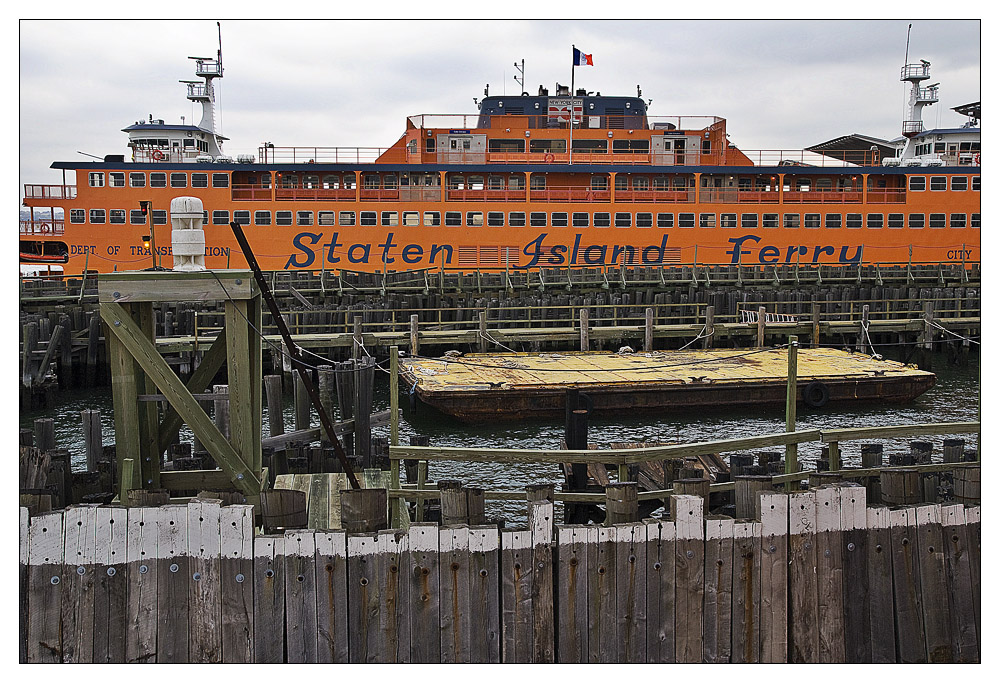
(791, 396)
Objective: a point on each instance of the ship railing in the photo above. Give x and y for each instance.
(50, 191)
(315, 193)
(466, 123)
(831, 196)
(268, 154)
(802, 157)
(853, 310)
(886, 196)
(682, 196)
(240, 192)
(732, 195)
(42, 227)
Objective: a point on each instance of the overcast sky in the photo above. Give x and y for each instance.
(779, 84)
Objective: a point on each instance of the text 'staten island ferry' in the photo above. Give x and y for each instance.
(571, 179)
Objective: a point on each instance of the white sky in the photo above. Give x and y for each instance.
(780, 84)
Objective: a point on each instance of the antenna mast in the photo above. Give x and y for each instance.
(520, 80)
(906, 56)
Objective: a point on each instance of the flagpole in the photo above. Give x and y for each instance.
(572, 94)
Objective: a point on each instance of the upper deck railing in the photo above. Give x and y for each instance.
(541, 120)
(50, 191)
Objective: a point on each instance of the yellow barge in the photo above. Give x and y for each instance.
(482, 387)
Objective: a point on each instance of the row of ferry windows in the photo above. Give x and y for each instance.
(138, 179)
(939, 183)
(541, 219)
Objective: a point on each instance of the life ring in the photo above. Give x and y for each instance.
(45, 228)
(157, 155)
(549, 158)
(816, 394)
(977, 159)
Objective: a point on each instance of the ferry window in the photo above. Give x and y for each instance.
(261, 217)
(327, 218)
(199, 180)
(474, 219)
(430, 145)
(939, 147)
(599, 182)
(159, 216)
(500, 146)
(77, 216)
(346, 218)
(602, 219)
(644, 220)
(538, 182)
(834, 220)
(630, 146)
(157, 179)
(590, 146)
(581, 219)
(304, 217)
(666, 220)
(959, 183)
(116, 216)
(137, 179)
(875, 220)
(456, 182)
(560, 220)
(974, 222)
(937, 220)
(975, 183)
(331, 182)
(350, 182)
(476, 182)
(390, 218)
(706, 220)
(770, 220)
(432, 219)
(791, 220)
(661, 183)
(288, 182)
(918, 183)
(178, 180)
(97, 216)
(494, 219)
(916, 221)
(116, 179)
(461, 143)
(516, 182)
(824, 184)
(220, 180)
(495, 182)
(282, 217)
(685, 220)
(389, 182)
(97, 180)
(803, 184)
(548, 146)
(939, 183)
(958, 220)
(727, 220)
(895, 220)
(748, 220)
(640, 183)
(220, 218)
(621, 182)
(538, 219)
(368, 218)
(411, 218)
(516, 219)
(453, 218)
(241, 217)
(623, 220)
(854, 220)
(309, 182)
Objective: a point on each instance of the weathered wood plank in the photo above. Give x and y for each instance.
(141, 554)
(746, 592)
(972, 517)
(718, 590)
(204, 594)
(603, 638)
(78, 579)
(236, 530)
(689, 572)
(880, 629)
(172, 579)
(911, 644)
(802, 586)
(484, 593)
(774, 578)
(660, 539)
(300, 597)
(829, 576)
(394, 626)
(573, 571)
(110, 586)
(933, 585)
(269, 599)
(365, 642)
(964, 638)
(630, 603)
(454, 613)
(423, 594)
(22, 586)
(45, 566)
(541, 522)
(331, 597)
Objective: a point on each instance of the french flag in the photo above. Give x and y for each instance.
(581, 59)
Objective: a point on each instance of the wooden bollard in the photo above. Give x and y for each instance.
(454, 502)
(748, 486)
(706, 343)
(45, 434)
(693, 486)
(275, 414)
(966, 484)
(364, 510)
(482, 332)
(584, 329)
(622, 502)
(921, 451)
(872, 456)
(414, 335)
(761, 317)
(475, 503)
(26, 437)
(765, 458)
(286, 509)
(302, 404)
(738, 464)
(648, 338)
(900, 486)
(953, 450)
(150, 498)
(540, 492)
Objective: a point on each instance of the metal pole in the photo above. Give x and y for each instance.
(791, 450)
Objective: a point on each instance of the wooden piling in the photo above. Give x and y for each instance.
(698, 486)
(966, 483)
(761, 317)
(900, 487)
(92, 437)
(303, 405)
(647, 344)
(45, 434)
(921, 452)
(585, 329)
(708, 342)
(953, 450)
(327, 392)
(482, 332)
(622, 502)
(364, 510)
(748, 486)
(414, 335)
(275, 414)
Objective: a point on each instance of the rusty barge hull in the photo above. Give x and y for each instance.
(490, 387)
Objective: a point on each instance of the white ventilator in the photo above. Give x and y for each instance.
(186, 218)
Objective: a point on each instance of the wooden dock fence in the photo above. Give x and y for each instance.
(817, 576)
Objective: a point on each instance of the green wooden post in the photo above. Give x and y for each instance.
(397, 505)
(126, 482)
(834, 456)
(239, 361)
(791, 450)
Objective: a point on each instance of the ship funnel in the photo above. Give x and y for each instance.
(187, 215)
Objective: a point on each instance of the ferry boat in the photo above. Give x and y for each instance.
(563, 179)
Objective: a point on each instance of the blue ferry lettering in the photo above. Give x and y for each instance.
(771, 255)
(540, 253)
(307, 244)
(960, 254)
(80, 249)
(161, 251)
(308, 253)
